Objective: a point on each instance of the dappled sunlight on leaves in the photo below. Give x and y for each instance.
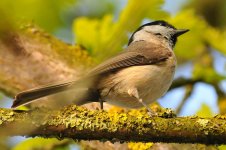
(106, 37)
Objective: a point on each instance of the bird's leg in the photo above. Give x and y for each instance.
(134, 93)
(101, 104)
(150, 112)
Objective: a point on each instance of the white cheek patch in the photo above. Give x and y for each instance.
(141, 35)
(164, 31)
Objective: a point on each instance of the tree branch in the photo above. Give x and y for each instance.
(30, 57)
(188, 92)
(82, 124)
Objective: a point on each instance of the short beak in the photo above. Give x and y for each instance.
(180, 32)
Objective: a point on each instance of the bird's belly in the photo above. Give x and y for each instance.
(151, 81)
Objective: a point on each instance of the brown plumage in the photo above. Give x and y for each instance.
(132, 56)
(139, 75)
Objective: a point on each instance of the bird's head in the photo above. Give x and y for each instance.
(160, 29)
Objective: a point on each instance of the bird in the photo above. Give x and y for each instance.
(135, 78)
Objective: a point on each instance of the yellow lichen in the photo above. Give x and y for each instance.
(203, 122)
(139, 146)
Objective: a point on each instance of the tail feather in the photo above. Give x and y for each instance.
(33, 94)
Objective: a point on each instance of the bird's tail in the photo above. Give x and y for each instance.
(33, 94)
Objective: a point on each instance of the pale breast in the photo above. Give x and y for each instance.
(151, 81)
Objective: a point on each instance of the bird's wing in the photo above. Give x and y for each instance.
(137, 54)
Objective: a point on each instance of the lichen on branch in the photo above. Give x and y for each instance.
(80, 123)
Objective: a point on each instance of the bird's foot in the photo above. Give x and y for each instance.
(151, 113)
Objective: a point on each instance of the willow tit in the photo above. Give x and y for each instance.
(138, 76)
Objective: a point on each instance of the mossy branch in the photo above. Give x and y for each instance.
(82, 124)
(30, 57)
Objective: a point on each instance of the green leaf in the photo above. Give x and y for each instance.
(42, 144)
(207, 73)
(217, 39)
(45, 13)
(204, 111)
(222, 147)
(104, 37)
(193, 44)
(91, 33)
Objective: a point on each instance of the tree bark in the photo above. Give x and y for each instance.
(80, 123)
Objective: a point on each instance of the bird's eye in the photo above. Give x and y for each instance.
(166, 37)
(158, 34)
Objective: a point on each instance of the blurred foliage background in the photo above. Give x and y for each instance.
(103, 28)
